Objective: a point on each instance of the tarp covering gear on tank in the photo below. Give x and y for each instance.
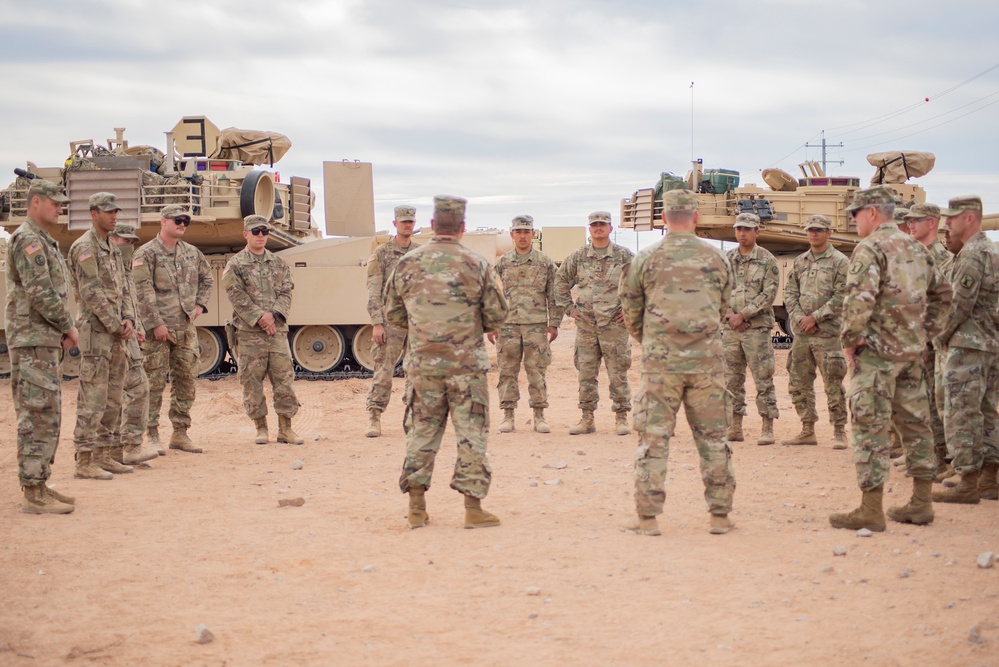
(253, 146)
(900, 166)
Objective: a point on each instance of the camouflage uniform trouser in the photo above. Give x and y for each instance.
(179, 357)
(428, 402)
(659, 399)
(35, 382)
(611, 344)
(936, 419)
(824, 353)
(530, 343)
(98, 402)
(971, 389)
(755, 348)
(385, 357)
(881, 393)
(263, 356)
(134, 405)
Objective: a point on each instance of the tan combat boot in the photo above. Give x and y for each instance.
(87, 468)
(540, 425)
(136, 454)
(375, 425)
(37, 501)
(154, 440)
(61, 497)
(869, 515)
(585, 424)
(179, 440)
(285, 434)
(476, 517)
(621, 423)
(965, 493)
(102, 457)
(417, 516)
(735, 429)
(262, 435)
(766, 433)
(507, 425)
(644, 525)
(839, 437)
(806, 437)
(988, 488)
(720, 524)
(944, 471)
(919, 509)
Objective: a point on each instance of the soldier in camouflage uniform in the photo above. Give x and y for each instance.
(173, 281)
(39, 329)
(387, 341)
(596, 270)
(447, 297)
(894, 303)
(814, 298)
(923, 222)
(970, 340)
(131, 423)
(259, 285)
(747, 338)
(528, 278)
(673, 299)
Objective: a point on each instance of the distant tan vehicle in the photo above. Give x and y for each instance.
(222, 176)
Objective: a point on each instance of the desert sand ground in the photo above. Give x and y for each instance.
(200, 539)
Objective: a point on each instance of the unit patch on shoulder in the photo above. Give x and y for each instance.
(32, 248)
(85, 256)
(856, 267)
(40, 260)
(137, 262)
(967, 282)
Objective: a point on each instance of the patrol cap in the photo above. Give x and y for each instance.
(46, 189)
(254, 221)
(750, 220)
(405, 214)
(449, 205)
(104, 201)
(174, 211)
(679, 200)
(900, 215)
(600, 216)
(522, 222)
(879, 194)
(919, 211)
(125, 231)
(818, 222)
(959, 205)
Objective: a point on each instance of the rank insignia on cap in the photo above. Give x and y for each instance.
(32, 248)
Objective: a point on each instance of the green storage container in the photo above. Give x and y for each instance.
(723, 180)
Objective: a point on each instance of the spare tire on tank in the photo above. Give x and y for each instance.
(256, 197)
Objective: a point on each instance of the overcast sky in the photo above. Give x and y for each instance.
(555, 109)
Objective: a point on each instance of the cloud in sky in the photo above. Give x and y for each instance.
(550, 108)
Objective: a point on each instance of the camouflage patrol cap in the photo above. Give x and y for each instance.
(125, 231)
(46, 189)
(522, 222)
(879, 194)
(679, 200)
(104, 201)
(750, 220)
(959, 205)
(600, 216)
(174, 211)
(920, 211)
(449, 205)
(900, 215)
(818, 222)
(405, 214)
(254, 221)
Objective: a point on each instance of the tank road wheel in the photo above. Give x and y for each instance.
(4, 356)
(256, 197)
(318, 348)
(361, 347)
(71, 364)
(211, 350)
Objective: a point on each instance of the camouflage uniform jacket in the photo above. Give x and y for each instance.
(37, 310)
(895, 301)
(258, 284)
(102, 291)
(673, 298)
(597, 273)
(757, 279)
(380, 266)
(448, 297)
(973, 319)
(816, 286)
(529, 286)
(170, 283)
